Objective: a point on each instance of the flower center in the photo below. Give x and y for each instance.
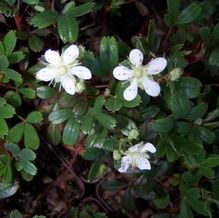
(62, 70)
(138, 72)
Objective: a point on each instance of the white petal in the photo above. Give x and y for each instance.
(131, 91)
(70, 54)
(122, 73)
(46, 74)
(52, 57)
(68, 83)
(136, 57)
(156, 65)
(148, 147)
(126, 160)
(81, 72)
(151, 87)
(133, 148)
(143, 163)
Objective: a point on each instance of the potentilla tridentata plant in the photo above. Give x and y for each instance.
(135, 115)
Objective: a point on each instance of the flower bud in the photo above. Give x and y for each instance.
(176, 73)
(80, 86)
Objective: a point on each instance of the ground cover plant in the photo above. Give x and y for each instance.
(109, 108)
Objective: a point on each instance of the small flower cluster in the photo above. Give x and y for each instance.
(67, 70)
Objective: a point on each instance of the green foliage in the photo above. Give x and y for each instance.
(97, 123)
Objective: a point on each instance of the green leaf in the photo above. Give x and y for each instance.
(60, 116)
(189, 14)
(211, 162)
(206, 171)
(7, 111)
(198, 111)
(12, 74)
(16, 57)
(54, 134)
(27, 92)
(68, 28)
(113, 185)
(99, 103)
(81, 9)
(35, 117)
(44, 19)
(3, 127)
(7, 191)
(185, 210)
(87, 122)
(113, 104)
(35, 43)
(3, 62)
(213, 58)
(27, 155)
(212, 115)
(172, 12)
(105, 120)
(5, 170)
(13, 98)
(13, 148)
(206, 135)
(95, 168)
(93, 153)
(150, 112)
(109, 57)
(180, 105)
(9, 42)
(31, 138)
(71, 132)
(163, 124)
(28, 167)
(15, 214)
(191, 86)
(45, 92)
(16, 133)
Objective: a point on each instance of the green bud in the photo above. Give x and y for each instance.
(80, 86)
(116, 155)
(175, 74)
(133, 134)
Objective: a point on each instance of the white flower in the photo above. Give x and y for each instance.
(140, 76)
(64, 69)
(136, 156)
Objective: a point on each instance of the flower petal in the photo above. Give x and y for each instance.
(143, 163)
(136, 57)
(131, 91)
(148, 147)
(70, 54)
(122, 73)
(151, 87)
(133, 148)
(68, 83)
(81, 72)
(52, 57)
(126, 160)
(46, 74)
(156, 65)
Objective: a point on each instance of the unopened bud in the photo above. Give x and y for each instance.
(175, 74)
(79, 86)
